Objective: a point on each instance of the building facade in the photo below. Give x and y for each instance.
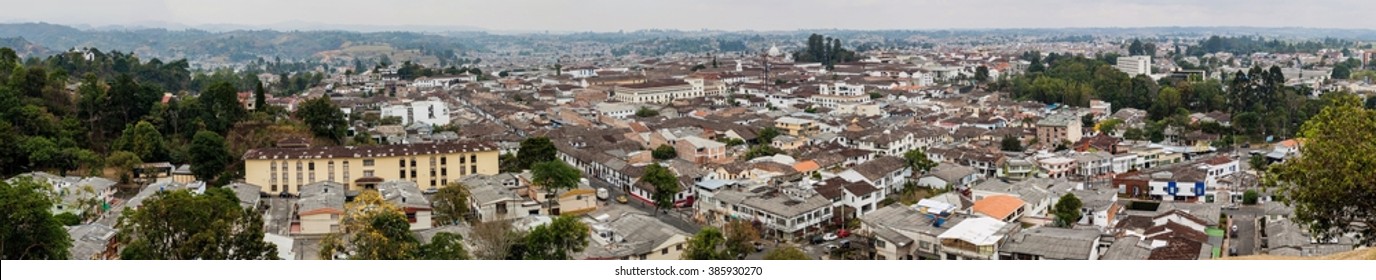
(285, 170)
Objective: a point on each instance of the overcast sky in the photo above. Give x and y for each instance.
(629, 15)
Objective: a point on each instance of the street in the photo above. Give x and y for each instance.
(1245, 218)
(678, 218)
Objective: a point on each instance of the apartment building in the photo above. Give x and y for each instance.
(286, 170)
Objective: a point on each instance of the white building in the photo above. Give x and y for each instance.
(1135, 65)
(429, 112)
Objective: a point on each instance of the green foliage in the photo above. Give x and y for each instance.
(826, 50)
(444, 246)
(1332, 184)
(558, 240)
(535, 150)
(221, 107)
(385, 236)
(918, 161)
(260, 97)
(664, 152)
(144, 140)
(1253, 44)
(1134, 133)
(450, 204)
(68, 219)
(29, 230)
(179, 225)
(665, 185)
(730, 142)
(982, 73)
(1067, 210)
(1250, 197)
(646, 112)
(324, 118)
(1011, 144)
(762, 150)
(707, 244)
(786, 252)
(740, 237)
(555, 176)
(209, 155)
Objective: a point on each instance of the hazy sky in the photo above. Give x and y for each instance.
(613, 15)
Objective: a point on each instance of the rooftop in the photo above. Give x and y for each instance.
(369, 151)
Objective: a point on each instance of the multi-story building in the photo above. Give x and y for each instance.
(1059, 128)
(429, 112)
(665, 91)
(285, 170)
(796, 126)
(1134, 65)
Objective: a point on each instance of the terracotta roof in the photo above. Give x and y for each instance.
(806, 166)
(369, 151)
(998, 206)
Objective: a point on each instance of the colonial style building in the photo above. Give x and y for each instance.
(285, 170)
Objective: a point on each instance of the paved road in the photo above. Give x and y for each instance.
(1247, 236)
(679, 218)
(278, 215)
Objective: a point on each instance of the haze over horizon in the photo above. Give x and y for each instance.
(630, 15)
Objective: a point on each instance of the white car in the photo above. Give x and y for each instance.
(829, 236)
(830, 247)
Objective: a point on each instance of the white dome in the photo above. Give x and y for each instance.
(774, 50)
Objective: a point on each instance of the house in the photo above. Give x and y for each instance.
(1051, 243)
(887, 173)
(903, 233)
(183, 174)
(1099, 207)
(1005, 208)
(796, 126)
(1034, 194)
(949, 176)
(250, 196)
(699, 150)
(975, 238)
(93, 241)
(319, 209)
(633, 236)
(783, 213)
(859, 196)
(408, 197)
(1058, 128)
(493, 198)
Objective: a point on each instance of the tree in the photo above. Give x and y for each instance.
(555, 176)
(444, 246)
(664, 152)
(982, 73)
(221, 107)
(1333, 183)
(535, 150)
(209, 155)
(28, 229)
(1136, 48)
(450, 204)
(665, 184)
(180, 225)
(324, 119)
(1011, 144)
(740, 237)
(787, 252)
(761, 150)
(557, 240)
(1133, 133)
(144, 140)
(646, 112)
(260, 97)
(767, 135)
(1250, 197)
(494, 240)
(1342, 72)
(1109, 126)
(918, 161)
(372, 229)
(1067, 210)
(707, 244)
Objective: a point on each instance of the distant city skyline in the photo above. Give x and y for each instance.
(631, 15)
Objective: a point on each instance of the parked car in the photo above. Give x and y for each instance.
(818, 239)
(830, 247)
(845, 244)
(1233, 231)
(842, 233)
(830, 236)
(622, 199)
(759, 247)
(1232, 251)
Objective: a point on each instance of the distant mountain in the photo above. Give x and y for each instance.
(23, 47)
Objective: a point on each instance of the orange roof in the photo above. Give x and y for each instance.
(998, 206)
(806, 166)
(1289, 143)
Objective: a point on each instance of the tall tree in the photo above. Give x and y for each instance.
(767, 135)
(179, 225)
(372, 229)
(1333, 183)
(221, 107)
(494, 240)
(665, 184)
(209, 155)
(28, 230)
(535, 150)
(918, 161)
(1067, 210)
(982, 73)
(451, 204)
(144, 140)
(555, 176)
(558, 240)
(1011, 144)
(740, 237)
(444, 246)
(124, 163)
(324, 119)
(707, 244)
(260, 97)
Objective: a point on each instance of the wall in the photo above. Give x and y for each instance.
(319, 223)
(259, 171)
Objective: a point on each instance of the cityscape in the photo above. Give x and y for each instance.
(154, 141)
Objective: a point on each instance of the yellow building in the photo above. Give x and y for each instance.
(285, 170)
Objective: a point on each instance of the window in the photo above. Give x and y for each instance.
(274, 188)
(665, 251)
(463, 160)
(925, 245)
(368, 163)
(473, 169)
(432, 182)
(432, 173)
(331, 170)
(413, 174)
(880, 244)
(367, 173)
(679, 247)
(444, 160)
(473, 159)
(443, 172)
(311, 166)
(402, 162)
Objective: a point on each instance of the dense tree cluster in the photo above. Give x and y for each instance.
(826, 50)
(180, 225)
(1253, 44)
